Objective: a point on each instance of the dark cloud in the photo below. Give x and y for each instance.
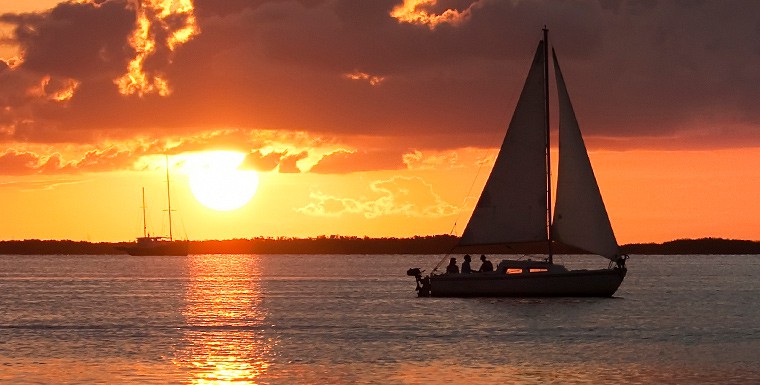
(634, 70)
(75, 40)
(288, 162)
(14, 162)
(234, 140)
(342, 162)
(257, 161)
(18, 163)
(211, 8)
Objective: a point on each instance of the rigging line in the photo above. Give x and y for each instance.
(139, 220)
(184, 228)
(446, 256)
(439, 263)
(494, 139)
(464, 200)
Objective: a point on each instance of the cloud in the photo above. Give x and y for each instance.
(253, 68)
(257, 161)
(285, 152)
(284, 162)
(348, 161)
(401, 196)
(417, 12)
(288, 162)
(61, 55)
(373, 80)
(16, 163)
(344, 161)
(50, 184)
(446, 76)
(418, 161)
(74, 40)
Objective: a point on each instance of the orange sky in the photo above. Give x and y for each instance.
(650, 196)
(375, 139)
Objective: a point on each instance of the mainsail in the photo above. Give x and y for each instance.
(512, 206)
(580, 218)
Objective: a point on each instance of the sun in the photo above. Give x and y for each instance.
(217, 181)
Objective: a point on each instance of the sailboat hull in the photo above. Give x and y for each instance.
(573, 283)
(158, 248)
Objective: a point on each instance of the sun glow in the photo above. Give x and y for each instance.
(217, 181)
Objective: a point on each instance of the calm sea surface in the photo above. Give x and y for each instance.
(328, 319)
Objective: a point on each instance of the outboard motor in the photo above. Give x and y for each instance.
(414, 272)
(423, 284)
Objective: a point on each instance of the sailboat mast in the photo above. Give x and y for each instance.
(548, 147)
(169, 198)
(145, 224)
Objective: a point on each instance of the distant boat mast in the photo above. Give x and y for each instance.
(169, 198)
(145, 224)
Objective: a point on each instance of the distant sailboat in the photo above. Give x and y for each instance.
(151, 245)
(515, 206)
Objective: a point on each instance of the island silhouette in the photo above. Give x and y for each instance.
(337, 244)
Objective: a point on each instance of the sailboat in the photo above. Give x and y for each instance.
(148, 245)
(515, 207)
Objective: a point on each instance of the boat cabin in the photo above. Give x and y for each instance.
(151, 240)
(511, 266)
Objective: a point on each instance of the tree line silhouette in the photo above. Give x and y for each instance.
(336, 244)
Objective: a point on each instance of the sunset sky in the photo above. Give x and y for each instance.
(364, 117)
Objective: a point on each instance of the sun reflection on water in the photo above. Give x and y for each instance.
(223, 342)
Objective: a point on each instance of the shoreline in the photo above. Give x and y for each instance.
(435, 244)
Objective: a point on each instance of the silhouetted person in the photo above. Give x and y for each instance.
(487, 265)
(452, 268)
(466, 264)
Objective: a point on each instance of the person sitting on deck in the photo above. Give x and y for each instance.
(466, 264)
(452, 268)
(487, 265)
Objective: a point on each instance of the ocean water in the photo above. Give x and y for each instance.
(330, 319)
